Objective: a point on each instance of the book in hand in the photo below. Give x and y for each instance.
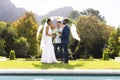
(59, 32)
(54, 35)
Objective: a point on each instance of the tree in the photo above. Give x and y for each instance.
(94, 35)
(74, 14)
(2, 46)
(2, 41)
(92, 12)
(43, 21)
(113, 43)
(27, 27)
(8, 36)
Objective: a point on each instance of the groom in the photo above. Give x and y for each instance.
(65, 40)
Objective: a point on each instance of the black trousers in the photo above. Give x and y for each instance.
(56, 46)
(65, 52)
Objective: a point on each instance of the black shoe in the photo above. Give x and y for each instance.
(65, 62)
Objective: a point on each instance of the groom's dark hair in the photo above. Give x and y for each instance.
(58, 21)
(65, 21)
(48, 20)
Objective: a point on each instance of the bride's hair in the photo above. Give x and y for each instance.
(48, 20)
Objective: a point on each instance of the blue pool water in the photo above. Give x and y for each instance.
(59, 77)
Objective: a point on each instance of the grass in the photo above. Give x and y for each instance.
(77, 64)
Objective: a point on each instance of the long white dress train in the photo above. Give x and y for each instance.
(48, 55)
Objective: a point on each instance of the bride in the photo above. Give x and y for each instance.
(48, 55)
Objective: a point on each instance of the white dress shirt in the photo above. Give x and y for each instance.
(57, 38)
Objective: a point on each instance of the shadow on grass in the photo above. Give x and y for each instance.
(57, 66)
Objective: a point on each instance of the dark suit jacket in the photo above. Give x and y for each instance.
(65, 35)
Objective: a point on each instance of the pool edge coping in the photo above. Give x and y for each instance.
(58, 72)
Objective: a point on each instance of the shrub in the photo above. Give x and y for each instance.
(91, 58)
(12, 55)
(22, 47)
(119, 54)
(2, 46)
(39, 52)
(105, 55)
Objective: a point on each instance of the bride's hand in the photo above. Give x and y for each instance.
(53, 36)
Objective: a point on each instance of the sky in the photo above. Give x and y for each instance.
(108, 8)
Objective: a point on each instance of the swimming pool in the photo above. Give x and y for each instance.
(30, 77)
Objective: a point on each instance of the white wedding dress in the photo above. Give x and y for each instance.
(48, 55)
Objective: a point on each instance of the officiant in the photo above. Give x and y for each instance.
(57, 40)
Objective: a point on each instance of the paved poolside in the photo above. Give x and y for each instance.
(58, 72)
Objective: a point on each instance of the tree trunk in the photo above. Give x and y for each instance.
(86, 52)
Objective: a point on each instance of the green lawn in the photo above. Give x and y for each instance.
(77, 64)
